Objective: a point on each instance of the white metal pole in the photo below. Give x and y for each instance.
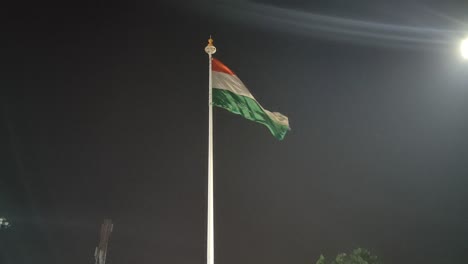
(210, 49)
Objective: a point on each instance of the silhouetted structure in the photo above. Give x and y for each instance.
(101, 250)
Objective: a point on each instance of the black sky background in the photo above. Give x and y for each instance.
(104, 116)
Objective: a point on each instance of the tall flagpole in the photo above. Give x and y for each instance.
(210, 50)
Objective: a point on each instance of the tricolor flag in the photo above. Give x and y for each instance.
(231, 94)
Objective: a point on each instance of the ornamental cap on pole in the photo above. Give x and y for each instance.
(210, 48)
(210, 41)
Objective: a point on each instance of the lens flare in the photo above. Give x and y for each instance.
(464, 48)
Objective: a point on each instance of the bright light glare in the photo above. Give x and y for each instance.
(464, 48)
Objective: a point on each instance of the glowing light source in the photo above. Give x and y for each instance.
(464, 48)
(4, 223)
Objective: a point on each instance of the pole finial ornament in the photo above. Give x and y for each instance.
(210, 41)
(210, 48)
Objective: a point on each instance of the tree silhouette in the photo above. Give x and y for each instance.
(357, 256)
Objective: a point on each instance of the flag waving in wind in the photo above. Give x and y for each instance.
(231, 94)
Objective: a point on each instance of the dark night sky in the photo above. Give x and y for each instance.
(104, 115)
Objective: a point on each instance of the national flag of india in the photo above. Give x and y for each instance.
(231, 94)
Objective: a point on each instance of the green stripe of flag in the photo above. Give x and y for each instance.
(248, 108)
